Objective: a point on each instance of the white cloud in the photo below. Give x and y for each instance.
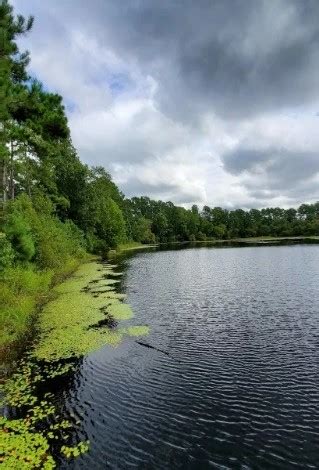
(164, 129)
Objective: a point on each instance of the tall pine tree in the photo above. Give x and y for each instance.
(13, 73)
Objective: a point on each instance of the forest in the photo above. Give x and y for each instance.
(54, 209)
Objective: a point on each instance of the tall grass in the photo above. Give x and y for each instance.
(22, 289)
(37, 250)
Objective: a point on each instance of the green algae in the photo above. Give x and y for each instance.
(137, 330)
(82, 301)
(120, 311)
(69, 328)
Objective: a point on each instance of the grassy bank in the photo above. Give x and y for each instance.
(133, 246)
(23, 292)
(37, 251)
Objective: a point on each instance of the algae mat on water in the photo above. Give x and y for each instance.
(86, 300)
(87, 313)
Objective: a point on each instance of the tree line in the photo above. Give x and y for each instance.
(43, 179)
(158, 221)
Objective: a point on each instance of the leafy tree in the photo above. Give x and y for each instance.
(142, 231)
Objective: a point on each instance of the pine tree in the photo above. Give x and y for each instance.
(13, 73)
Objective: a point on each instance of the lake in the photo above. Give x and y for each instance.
(234, 380)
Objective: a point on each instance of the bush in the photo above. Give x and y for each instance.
(201, 236)
(37, 234)
(19, 233)
(6, 253)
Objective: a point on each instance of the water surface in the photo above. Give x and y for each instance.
(236, 381)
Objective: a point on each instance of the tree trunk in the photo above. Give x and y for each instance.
(11, 176)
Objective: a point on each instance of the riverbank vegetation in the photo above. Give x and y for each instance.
(55, 209)
(88, 308)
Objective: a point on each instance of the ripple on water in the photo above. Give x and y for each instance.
(240, 386)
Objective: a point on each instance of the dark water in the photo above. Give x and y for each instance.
(239, 387)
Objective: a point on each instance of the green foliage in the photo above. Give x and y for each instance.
(37, 234)
(21, 290)
(81, 303)
(170, 223)
(22, 448)
(102, 218)
(42, 160)
(18, 231)
(55, 248)
(6, 253)
(109, 225)
(75, 451)
(141, 230)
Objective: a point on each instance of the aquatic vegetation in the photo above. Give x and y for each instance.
(82, 301)
(75, 451)
(137, 330)
(120, 311)
(27, 442)
(83, 316)
(18, 390)
(23, 448)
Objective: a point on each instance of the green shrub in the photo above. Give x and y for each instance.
(19, 233)
(91, 242)
(37, 234)
(6, 253)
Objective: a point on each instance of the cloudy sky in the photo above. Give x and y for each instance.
(209, 101)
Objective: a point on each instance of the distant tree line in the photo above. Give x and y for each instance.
(46, 189)
(149, 221)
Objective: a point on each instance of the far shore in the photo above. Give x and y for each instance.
(265, 239)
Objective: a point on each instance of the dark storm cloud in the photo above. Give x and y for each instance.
(241, 160)
(134, 185)
(278, 171)
(233, 57)
(160, 190)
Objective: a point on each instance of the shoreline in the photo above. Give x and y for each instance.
(258, 240)
(11, 350)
